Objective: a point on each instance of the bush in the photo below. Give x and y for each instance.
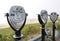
(1, 38)
(31, 29)
(58, 26)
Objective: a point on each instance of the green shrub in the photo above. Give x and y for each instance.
(58, 26)
(49, 24)
(1, 38)
(31, 29)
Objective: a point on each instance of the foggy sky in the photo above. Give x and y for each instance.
(32, 7)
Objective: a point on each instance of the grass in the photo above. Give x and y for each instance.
(29, 31)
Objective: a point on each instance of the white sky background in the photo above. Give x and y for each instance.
(32, 7)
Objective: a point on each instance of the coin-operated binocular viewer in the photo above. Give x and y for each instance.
(43, 17)
(16, 19)
(54, 17)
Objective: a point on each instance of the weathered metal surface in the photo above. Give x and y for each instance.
(16, 16)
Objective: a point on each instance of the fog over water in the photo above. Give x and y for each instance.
(32, 7)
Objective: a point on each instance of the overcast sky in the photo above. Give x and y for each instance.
(32, 7)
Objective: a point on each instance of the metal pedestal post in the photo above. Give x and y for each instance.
(43, 33)
(54, 27)
(18, 38)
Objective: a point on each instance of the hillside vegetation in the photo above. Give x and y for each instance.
(29, 31)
